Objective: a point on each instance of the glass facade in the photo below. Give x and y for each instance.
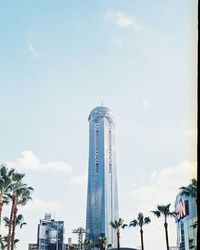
(186, 220)
(50, 234)
(102, 194)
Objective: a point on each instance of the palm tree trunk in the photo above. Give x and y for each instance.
(13, 228)
(142, 243)
(11, 220)
(118, 240)
(166, 235)
(1, 208)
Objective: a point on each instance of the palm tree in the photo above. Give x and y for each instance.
(102, 242)
(117, 225)
(5, 186)
(164, 210)
(17, 179)
(141, 221)
(190, 190)
(23, 196)
(19, 221)
(21, 193)
(88, 244)
(2, 242)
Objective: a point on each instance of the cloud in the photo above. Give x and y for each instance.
(161, 188)
(164, 185)
(45, 206)
(28, 161)
(122, 20)
(80, 179)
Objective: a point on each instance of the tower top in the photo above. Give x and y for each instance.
(99, 112)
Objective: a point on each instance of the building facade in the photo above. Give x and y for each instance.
(186, 220)
(102, 194)
(32, 246)
(50, 234)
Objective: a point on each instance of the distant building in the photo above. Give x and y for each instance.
(186, 220)
(50, 234)
(102, 194)
(174, 248)
(32, 246)
(68, 246)
(125, 248)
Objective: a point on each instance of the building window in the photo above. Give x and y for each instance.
(191, 245)
(110, 140)
(110, 157)
(110, 168)
(97, 168)
(182, 246)
(109, 126)
(96, 126)
(97, 139)
(186, 207)
(96, 156)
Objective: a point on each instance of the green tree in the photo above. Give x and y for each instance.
(190, 190)
(3, 243)
(141, 221)
(102, 242)
(165, 212)
(21, 194)
(117, 225)
(5, 187)
(24, 195)
(19, 221)
(88, 244)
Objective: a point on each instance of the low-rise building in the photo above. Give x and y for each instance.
(32, 246)
(50, 234)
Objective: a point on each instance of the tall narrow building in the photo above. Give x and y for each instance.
(102, 194)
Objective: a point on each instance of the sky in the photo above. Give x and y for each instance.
(58, 61)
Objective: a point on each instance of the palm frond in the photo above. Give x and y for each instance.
(133, 223)
(191, 189)
(124, 226)
(6, 221)
(147, 220)
(156, 213)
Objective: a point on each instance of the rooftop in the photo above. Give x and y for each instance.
(100, 112)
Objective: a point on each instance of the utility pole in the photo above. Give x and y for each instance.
(80, 231)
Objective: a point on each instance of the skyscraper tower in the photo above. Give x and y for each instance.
(102, 194)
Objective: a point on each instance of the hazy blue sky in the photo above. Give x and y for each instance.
(59, 60)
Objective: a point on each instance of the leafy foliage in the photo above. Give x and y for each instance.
(141, 220)
(12, 190)
(191, 189)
